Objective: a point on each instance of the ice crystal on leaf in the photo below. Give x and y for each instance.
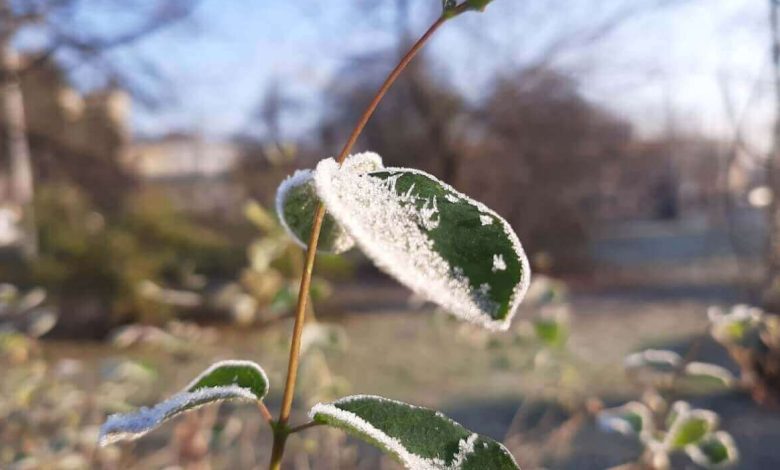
(420, 438)
(226, 380)
(431, 238)
(296, 202)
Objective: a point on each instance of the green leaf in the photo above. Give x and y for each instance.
(551, 331)
(419, 438)
(716, 450)
(741, 326)
(297, 200)
(479, 5)
(688, 426)
(451, 8)
(655, 360)
(226, 380)
(653, 367)
(632, 419)
(261, 218)
(702, 375)
(244, 374)
(296, 203)
(444, 246)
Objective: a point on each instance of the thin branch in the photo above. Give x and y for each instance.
(265, 412)
(97, 45)
(280, 436)
(303, 427)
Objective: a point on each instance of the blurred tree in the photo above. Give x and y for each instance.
(61, 28)
(418, 124)
(544, 148)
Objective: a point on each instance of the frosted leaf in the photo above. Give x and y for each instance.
(131, 426)
(688, 426)
(420, 438)
(717, 450)
(431, 238)
(702, 373)
(653, 367)
(296, 202)
(657, 359)
(631, 419)
(740, 326)
(226, 380)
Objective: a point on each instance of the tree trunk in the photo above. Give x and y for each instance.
(17, 149)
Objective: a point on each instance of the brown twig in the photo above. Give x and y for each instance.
(303, 427)
(265, 412)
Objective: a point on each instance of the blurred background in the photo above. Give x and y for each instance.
(632, 144)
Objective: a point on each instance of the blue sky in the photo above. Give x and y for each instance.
(684, 58)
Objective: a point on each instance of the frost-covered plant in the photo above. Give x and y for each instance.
(664, 430)
(446, 247)
(681, 429)
(752, 338)
(273, 274)
(25, 312)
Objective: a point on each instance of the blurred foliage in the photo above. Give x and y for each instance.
(85, 254)
(752, 338)
(275, 264)
(25, 312)
(665, 427)
(667, 430)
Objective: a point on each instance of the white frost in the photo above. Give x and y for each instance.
(710, 370)
(131, 426)
(389, 443)
(682, 415)
(651, 357)
(465, 448)
(700, 458)
(486, 219)
(498, 263)
(343, 241)
(616, 420)
(387, 231)
(230, 363)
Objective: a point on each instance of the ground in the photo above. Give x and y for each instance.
(499, 385)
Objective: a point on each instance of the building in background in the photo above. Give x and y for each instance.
(193, 172)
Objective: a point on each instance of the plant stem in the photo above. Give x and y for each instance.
(303, 427)
(264, 411)
(281, 430)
